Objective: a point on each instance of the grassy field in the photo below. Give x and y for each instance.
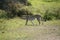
(15, 29)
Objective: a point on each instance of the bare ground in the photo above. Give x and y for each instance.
(35, 33)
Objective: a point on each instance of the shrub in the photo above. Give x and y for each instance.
(3, 14)
(49, 16)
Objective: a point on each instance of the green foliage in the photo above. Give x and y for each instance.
(12, 7)
(37, 7)
(52, 14)
(40, 6)
(49, 16)
(3, 14)
(51, 0)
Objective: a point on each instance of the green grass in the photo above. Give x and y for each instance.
(17, 22)
(15, 29)
(38, 6)
(53, 23)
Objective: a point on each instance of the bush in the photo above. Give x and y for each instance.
(49, 16)
(3, 14)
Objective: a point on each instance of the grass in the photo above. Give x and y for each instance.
(15, 29)
(17, 22)
(39, 7)
(53, 22)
